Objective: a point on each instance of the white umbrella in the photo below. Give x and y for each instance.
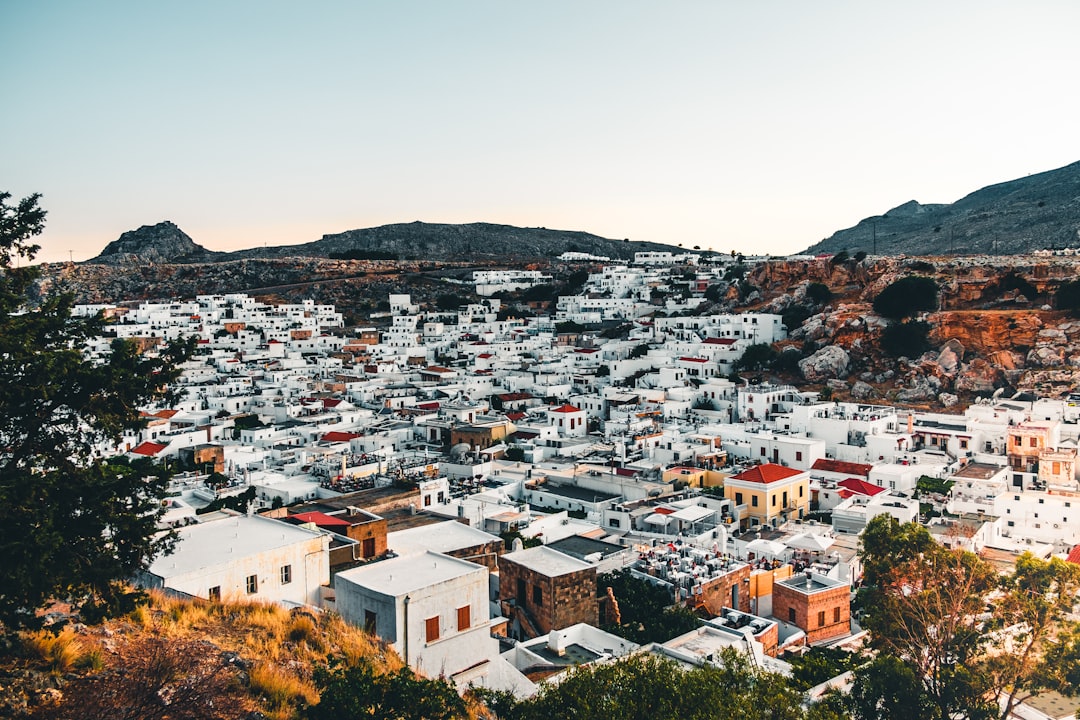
(809, 541)
(766, 547)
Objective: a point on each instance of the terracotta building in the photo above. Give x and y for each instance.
(816, 604)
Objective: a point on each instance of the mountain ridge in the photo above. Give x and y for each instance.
(1013, 217)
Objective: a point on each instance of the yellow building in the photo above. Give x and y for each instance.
(771, 494)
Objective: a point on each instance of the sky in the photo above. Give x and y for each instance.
(761, 127)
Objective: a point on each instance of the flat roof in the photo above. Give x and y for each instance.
(978, 471)
(816, 583)
(439, 537)
(547, 561)
(223, 540)
(403, 575)
(579, 546)
(577, 493)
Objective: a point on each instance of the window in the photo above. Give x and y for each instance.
(963, 444)
(1012, 524)
(738, 498)
(442, 497)
(798, 455)
(613, 522)
(370, 619)
(286, 574)
(214, 593)
(252, 584)
(427, 500)
(538, 595)
(763, 452)
(774, 501)
(791, 614)
(821, 618)
(1033, 442)
(836, 614)
(1068, 504)
(800, 490)
(753, 500)
(1040, 501)
(464, 618)
(431, 628)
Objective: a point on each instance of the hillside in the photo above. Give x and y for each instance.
(1030, 213)
(165, 242)
(222, 660)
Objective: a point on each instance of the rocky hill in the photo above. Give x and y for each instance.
(160, 243)
(1030, 213)
(165, 242)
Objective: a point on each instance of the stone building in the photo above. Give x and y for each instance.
(542, 590)
(816, 604)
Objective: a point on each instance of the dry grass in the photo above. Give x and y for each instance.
(58, 651)
(283, 692)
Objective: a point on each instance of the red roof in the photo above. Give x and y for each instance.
(515, 416)
(338, 436)
(320, 519)
(840, 466)
(861, 487)
(719, 341)
(1074, 556)
(485, 356)
(693, 359)
(566, 408)
(766, 473)
(148, 448)
(165, 414)
(330, 402)
(428, 405)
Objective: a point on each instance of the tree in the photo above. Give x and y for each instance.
(886, 689)
(759, 356)
(1068, 297)
(818, 293)
(906, 296)
(906, 339)
(648, 686)
(646, 613)
(975, 640)
(72, 524)
(356, 691)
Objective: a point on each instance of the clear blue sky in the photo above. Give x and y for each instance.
(757, 126)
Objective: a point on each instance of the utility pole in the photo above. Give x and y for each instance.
(873, 224)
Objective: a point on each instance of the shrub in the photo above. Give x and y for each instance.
(1068, 298)
(756, 357)
(818, 293)
(59, 651)
(907, 339)
(840, 257)
(906, 296)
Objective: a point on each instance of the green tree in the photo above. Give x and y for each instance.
(907, 296)
(1068, 297)
(759, 356)
(818, 293)
(356, 691)
(976, 641)
(646, 613)
(906, 339)
(886, 689)
(72, 525)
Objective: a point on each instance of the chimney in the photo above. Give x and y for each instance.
(910, 423)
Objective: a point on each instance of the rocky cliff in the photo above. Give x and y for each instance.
(160, 243)
(1031, 213)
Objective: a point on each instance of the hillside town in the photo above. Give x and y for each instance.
(457, 481)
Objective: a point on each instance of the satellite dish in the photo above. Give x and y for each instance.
(459, 450)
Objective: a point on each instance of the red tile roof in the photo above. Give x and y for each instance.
(566, 408)
(320, 519)
(840, 466)
(1074, 556)
(693, 359)
(148, 448)
(766, 473)
(719, 341)
(861, 487)
(338, 436)
(515, 416)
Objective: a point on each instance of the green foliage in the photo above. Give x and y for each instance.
(939, 611)
(886, 689)
(759, 356)
(514, 454)
(450, 302)
(820, 664)
(906, 339)
(510, 536)
(645, 609)
(907, 296)
(787, 361)
(735, 272)
(859, 256)
(1068, 298)
(356, 691)
(714, 293)
(569, 326)
(648, 686)
(538, 293)
(639, 350)
(576, 280)
(818, 293)
(603, 371)
(795, 316)
(840, 257)
(71, 524)
(935, 486)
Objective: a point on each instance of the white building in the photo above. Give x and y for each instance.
(245, 557)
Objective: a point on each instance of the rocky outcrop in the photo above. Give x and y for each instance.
(161, 243)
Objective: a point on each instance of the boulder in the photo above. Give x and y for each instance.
(947, 399)
(828, 362)
(862, 391)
